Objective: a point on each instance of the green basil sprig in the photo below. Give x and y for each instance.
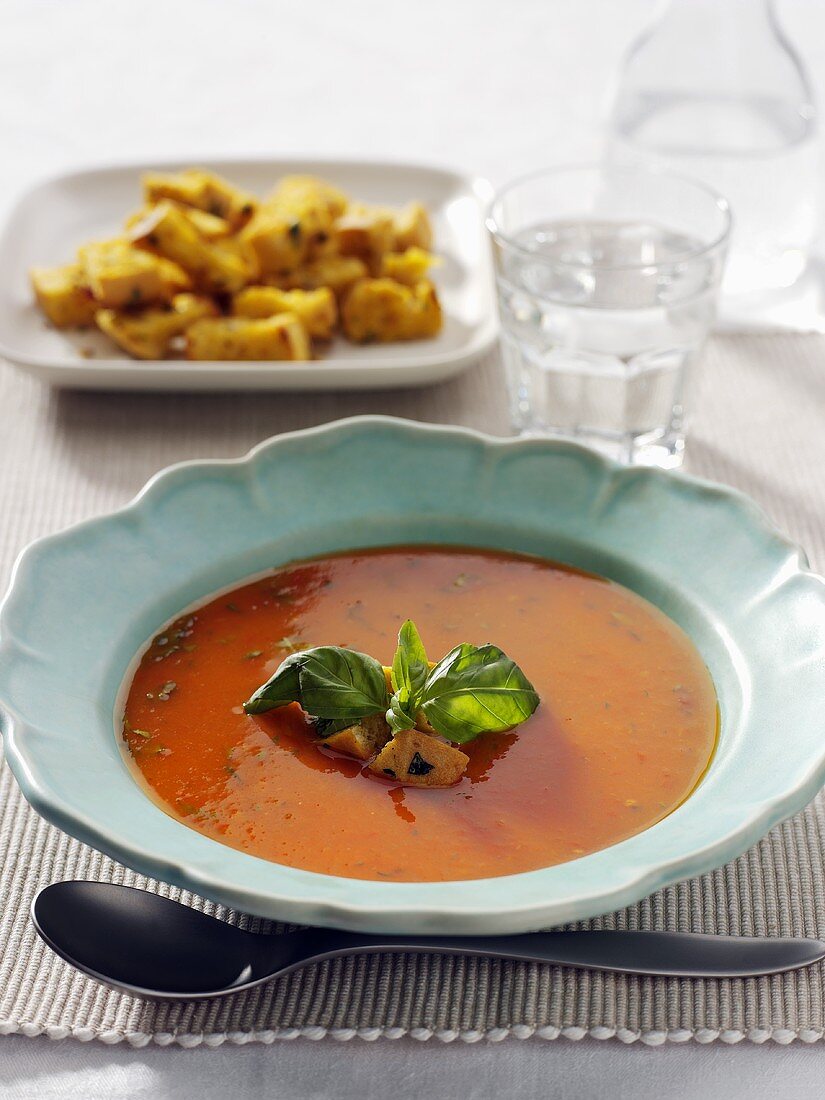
(473, 690)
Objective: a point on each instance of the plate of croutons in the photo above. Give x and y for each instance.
(248, 275)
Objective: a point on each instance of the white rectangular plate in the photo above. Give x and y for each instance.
(55, 217)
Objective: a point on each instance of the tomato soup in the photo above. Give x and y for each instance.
(625, 728)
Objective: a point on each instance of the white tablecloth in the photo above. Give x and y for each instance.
(406, 1070)
(486, 86)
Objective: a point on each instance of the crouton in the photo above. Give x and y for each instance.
(422, 723)
(382, 310)
(412, 228)
(293, 224)
(418, 760)
(278, 240)
(239, 253)
(119, 275)
(175, 278)
(363, 739)
(64, 295)
(317, 309)
(365, 232)
(339, 273)
(209, 227)
(408, 267)
(191, 308)
(202, 190)
(274, 338)
(311, 190)
(309, 207)
(214, 267)
(147, 334)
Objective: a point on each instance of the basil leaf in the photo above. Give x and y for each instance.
(397, 716)
(284, 687)
(476, 690)
(409, 666)
(341, 683)
(463, 650)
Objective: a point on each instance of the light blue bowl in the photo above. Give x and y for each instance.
(82, 603)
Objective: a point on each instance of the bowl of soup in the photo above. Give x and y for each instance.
(674, 641)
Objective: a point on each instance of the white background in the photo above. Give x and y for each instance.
(494, 87)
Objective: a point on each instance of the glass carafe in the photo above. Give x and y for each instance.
(714, 90)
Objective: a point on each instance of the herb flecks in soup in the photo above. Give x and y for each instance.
(400, 717)
(625, 729)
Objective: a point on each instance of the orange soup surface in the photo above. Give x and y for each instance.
(625, 728)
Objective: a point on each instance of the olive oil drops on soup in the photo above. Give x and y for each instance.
(621, 726)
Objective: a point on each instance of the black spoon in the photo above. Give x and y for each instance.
(148, 945)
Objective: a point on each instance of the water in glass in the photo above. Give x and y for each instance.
(601, 324)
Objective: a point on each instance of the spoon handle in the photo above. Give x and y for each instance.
(671, 954)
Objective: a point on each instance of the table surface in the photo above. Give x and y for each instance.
(483, 87)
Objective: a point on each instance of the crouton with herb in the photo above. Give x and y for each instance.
(166, 230)
(408, 267)
(365, 232)
(203, 190)
(119, 275)
(362, 740)
(209, 227)
(294, 224)
(339, 273)
(147, 334)
(317, 309)
(412, 228)
(381, 311)
(417, 760)
(227, 338)
(277, 239)
(64, 295)
(311, 204)
(310, 191)
(240, 253)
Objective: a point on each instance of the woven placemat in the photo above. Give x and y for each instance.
(65, 456)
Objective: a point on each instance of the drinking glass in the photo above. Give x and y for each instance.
(607, 283)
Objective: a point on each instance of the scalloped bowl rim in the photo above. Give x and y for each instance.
(605, 880)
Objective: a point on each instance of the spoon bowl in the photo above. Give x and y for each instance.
(145, 943)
